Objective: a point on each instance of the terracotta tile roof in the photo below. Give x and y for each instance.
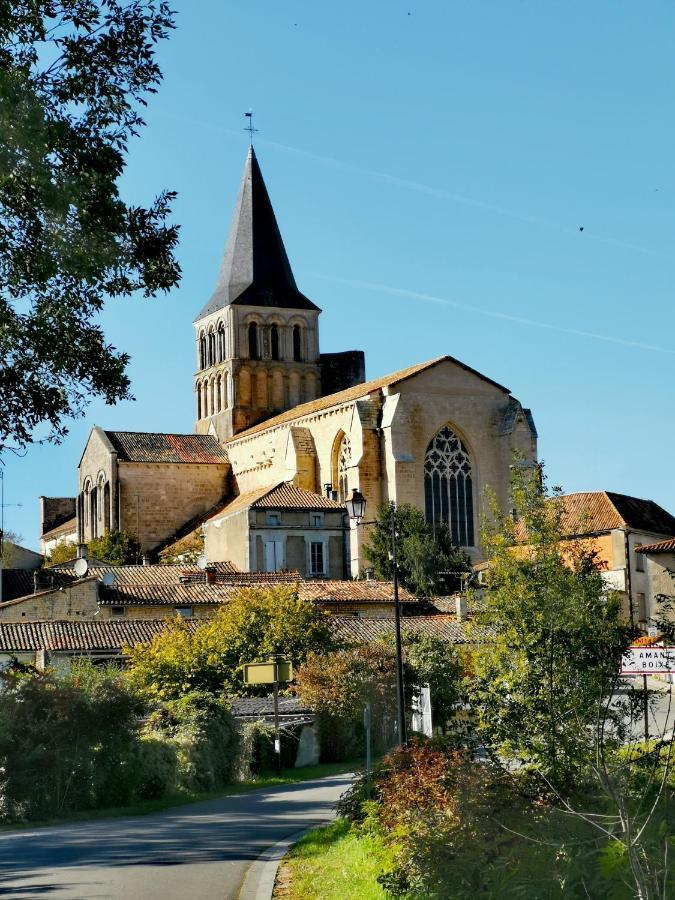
(352, 592)
(662, 547)
(83, 635)
(282, 495)
(111, 635)
(590, 512)
(287, 496)
(360, 629)
(354, 393)
(140, 446)
(22, 582)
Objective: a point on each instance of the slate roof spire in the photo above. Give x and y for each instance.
(255, 270)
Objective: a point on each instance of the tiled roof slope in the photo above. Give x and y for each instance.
(277, 496)
(589, 512)
(141, 446)
(356, 392)
(80, 635)
(112, 635)
(661, 547)
(360, 629)
(21, 582)
(287, 496)
(199, 592)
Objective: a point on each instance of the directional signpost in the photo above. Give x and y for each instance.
(272, 671)
(644, 659)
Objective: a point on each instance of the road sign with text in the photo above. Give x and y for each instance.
(644, 660)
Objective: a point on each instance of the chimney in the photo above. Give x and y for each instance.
(462, 609)
(81, 551)
(370, 574)
(36, 582)
(210, 572)
(146, 560)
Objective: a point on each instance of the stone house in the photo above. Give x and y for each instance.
(616, 527)
(658, 561)
(279, 528)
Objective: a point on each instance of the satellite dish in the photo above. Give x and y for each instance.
(81, 567)
(108, 579)
(202, 562)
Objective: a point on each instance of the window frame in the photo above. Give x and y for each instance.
(324, 558)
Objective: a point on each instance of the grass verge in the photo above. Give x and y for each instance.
(182, 798)
(332, 863)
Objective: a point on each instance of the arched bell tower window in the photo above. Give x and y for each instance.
(253, 341)
(212, 348)
(344, 460)
(448, 486)
(221, 342)
(202, 351)
(297, 343)
(274, 341)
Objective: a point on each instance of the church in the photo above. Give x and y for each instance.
(283, 433)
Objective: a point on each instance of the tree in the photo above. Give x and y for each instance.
(555, 638)
(251, 626)
(423, 555)
(337, 687)
(63, 551)
(435, 662)
(118, 548)
(73, 78)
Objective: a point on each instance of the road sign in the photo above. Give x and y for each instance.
(264, 672)
(644, 660)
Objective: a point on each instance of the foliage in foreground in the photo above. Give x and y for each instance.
(209, 656)
(555, 638)
(456, 828)
(422, 554)
(73, 78)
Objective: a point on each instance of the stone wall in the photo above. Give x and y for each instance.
(156, 499)
(79, 600)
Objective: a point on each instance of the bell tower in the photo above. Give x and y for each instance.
(257, 337)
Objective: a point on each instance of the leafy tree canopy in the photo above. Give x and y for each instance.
(254, 624)
(422, 554)
(556, 636)
(119, 548)
(73, 78)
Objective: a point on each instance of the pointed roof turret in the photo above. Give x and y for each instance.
(255, 270)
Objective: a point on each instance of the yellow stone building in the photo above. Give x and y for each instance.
(273, 410)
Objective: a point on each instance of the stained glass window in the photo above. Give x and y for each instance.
(448, 486)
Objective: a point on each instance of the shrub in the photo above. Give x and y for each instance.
(156, 767)
(205, 737)
(256, 749)
(66, 743)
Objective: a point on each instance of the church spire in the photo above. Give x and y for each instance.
(255, 270)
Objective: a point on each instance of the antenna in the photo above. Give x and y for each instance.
(249, 125)
(109, 579)
(81, 567)
(202, 562)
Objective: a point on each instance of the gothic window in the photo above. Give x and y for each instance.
(253, 341)
(202, 351)
(106, 506)
(343, 462)
(297, 343)
(448, 488)
(274, 341)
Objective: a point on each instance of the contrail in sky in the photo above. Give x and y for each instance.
(420, 188)
(494, 314)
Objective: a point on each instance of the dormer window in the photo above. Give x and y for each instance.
(316, 520)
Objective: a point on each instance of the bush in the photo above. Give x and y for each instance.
(256, 748)
(66, 743)
(204, 733)
(156, 767)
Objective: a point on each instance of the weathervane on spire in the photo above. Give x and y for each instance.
(249, 126)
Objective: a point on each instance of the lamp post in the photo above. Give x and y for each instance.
(356, 509)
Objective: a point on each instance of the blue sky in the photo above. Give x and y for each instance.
(430, 165)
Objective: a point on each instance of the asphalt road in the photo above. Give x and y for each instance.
(188, 853)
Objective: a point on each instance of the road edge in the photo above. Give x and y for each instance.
(261, 875)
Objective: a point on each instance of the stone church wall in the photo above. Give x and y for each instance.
(168, 496)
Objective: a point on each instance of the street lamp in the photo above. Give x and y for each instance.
(356, 509)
